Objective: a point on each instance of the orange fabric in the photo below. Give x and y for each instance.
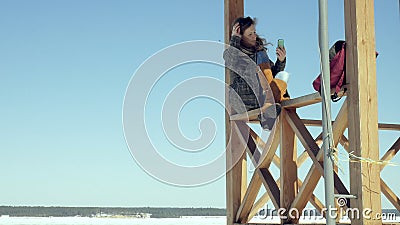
(266, 69)
(278, 88)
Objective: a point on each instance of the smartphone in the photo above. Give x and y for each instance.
(281, 43)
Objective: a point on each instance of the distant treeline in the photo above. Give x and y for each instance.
(39, 211)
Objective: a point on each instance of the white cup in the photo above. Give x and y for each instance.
(283, 75)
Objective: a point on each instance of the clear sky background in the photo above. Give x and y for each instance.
(65, 66)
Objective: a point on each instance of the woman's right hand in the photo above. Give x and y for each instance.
(236, 30)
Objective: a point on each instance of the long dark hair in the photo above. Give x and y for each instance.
(246, 22)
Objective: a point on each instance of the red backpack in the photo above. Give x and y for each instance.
(337, 62)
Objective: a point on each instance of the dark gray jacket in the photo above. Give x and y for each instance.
(246, 92)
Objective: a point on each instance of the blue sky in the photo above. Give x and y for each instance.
(65, 67)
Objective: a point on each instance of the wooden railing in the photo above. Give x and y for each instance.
(288, 191)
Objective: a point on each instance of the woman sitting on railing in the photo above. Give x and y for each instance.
(254, 75)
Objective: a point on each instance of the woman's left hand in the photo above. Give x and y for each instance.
(281, 53)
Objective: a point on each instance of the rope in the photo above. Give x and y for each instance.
(357, 159)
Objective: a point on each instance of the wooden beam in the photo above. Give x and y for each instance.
(314, 200)
(261, 202)
(247, 140)
(302, 101)
(391, 152)
(265, 197)
(388, 155)
(232, 10)
(242, 215)
(313, 176)
(246, 116)
(272, 188)
(248, 137)
(306, 190)
(304, 155)
(312, 148)
(234, 174)
(304, 136)
(288, 171)
(381, 126)
(310, 99)
(270, 147)
(390, 195)
(338, 129)
(344, 142)
(258, 140)
(276, 160)
(362, 104)
(389, 126)
(270, 185)
(264, 160)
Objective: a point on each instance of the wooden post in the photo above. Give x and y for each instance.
(363, 109)
(236, 176)
(288, 175)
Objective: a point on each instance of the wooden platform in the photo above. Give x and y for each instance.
(263, 154)
(358, 115)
